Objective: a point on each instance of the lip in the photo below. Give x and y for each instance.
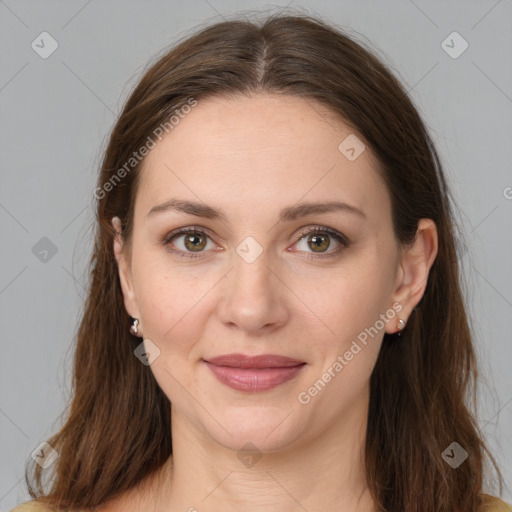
(262, 361)
(254, 373)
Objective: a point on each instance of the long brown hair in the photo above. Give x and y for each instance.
(117, 430)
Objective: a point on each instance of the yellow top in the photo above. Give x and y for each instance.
(492, 504)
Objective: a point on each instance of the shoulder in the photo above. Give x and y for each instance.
(38, 506)
(492, 504)
(32, 506)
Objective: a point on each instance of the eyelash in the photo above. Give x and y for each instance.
(315, 230)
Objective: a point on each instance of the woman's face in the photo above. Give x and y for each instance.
(257, 282)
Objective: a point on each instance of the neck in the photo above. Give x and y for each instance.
(326, 472)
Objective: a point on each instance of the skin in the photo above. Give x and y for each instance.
(251, 157)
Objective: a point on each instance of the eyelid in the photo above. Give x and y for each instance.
(185, 231)
(324, 229)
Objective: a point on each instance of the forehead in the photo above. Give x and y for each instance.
(248, 152)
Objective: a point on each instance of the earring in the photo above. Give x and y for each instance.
(401, 325)
(134, 327)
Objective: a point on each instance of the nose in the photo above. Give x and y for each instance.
(253, 296)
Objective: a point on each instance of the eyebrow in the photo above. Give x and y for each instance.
(286, 215)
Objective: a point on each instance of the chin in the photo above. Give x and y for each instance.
(269, 429)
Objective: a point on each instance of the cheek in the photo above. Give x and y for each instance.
(347, 337)
(172, 306)
(346, 300)
(172, 300)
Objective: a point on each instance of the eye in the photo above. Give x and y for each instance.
(318, 240)
(193, 240)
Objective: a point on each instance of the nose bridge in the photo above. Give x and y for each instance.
(251, 267)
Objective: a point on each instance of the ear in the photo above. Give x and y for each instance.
(416, 262)
(124, 268)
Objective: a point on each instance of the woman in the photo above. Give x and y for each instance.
(274, 282)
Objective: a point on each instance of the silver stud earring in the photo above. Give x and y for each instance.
(401, 325)
(134, 329)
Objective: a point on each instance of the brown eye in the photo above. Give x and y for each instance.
(195, 242)
(318, 243)
(188, 242)
(317, 240)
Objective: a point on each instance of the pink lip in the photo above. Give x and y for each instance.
(254, 373)
(262, 361)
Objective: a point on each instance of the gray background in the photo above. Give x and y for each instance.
(57, 112)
